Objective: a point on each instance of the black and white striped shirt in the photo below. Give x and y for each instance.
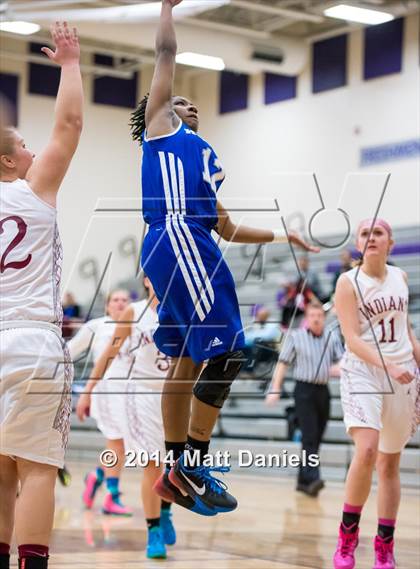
(310, 355)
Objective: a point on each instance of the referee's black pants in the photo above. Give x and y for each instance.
(312, 404)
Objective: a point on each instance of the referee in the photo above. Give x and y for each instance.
(311, 351)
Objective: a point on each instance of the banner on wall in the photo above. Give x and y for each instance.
(390, 152)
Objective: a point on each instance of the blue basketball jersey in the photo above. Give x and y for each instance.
(180, 176)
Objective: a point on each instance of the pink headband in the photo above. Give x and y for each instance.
(378, 221)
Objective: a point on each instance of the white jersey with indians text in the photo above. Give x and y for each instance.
(150, 364)
(382, 310)
(30, 256)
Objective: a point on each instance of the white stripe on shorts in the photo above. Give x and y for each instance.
(184, 269)
(207, 283)
(199, 284)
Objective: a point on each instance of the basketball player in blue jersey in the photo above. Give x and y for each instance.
(199, 317)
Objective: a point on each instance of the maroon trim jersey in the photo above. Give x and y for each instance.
(30, 256)
(383, 312)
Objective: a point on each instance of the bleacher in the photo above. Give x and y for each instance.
(246, 422)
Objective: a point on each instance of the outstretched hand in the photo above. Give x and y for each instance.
(67, 49)
(296, 239)
(172, 3)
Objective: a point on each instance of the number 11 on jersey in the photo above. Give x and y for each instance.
(391, 334)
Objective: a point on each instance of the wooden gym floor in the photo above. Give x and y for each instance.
(273, 527)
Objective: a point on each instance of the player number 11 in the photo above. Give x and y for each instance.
(392, 326)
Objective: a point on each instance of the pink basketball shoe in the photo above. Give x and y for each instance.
(384, 553)
(112, 506)
(92, 483)
(347, 543)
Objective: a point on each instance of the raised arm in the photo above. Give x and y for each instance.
(50, 167)
(121, 333)
(347, 313)
(243, 234)
(160, 118)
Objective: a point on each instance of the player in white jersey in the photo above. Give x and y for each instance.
(141, 417)
(94, 336)
(36, 373)
(379, 387)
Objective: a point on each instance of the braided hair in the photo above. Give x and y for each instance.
(138, 120)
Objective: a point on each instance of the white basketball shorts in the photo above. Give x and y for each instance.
(35, 392)
(143, 419)
(107, 404)
(370, 398)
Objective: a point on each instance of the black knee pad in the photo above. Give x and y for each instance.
(213, 385)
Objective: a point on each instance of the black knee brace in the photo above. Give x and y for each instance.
(213, 385)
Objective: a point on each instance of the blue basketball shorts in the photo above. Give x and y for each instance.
(198, 308)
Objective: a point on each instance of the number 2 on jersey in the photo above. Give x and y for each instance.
(21, 232)
(384, 335)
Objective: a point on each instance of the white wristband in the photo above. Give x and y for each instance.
(278, 237)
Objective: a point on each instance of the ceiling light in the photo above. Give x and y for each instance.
(199, 60)
(360, 15)
(125, 14)
(24, 28)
